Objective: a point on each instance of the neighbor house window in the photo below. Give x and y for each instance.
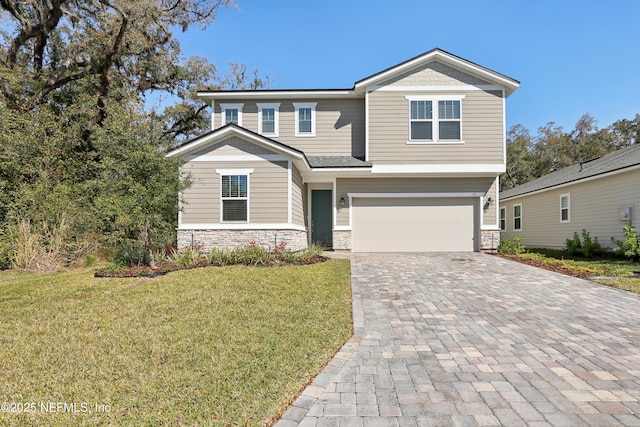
(517, 217)
(435, 119)
(503, 219)
(231, 113)
(305, 118)
(268, 119)
(234, 194)
(565, 208)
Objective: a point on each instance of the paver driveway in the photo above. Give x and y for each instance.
(472, 339)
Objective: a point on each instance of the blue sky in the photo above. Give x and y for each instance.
(571, 57)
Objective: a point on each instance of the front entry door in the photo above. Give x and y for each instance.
(321, 227)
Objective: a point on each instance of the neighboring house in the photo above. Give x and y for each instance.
(406, 160)
(599, 196)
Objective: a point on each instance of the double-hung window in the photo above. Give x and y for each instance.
(268, 119)
(503, 219)
(435, 119)
(517, 217)
(231, 113)
(234, 195)
(565, 208)
(305, 118)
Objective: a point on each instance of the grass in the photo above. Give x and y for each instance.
(600, 266)
(210, 346)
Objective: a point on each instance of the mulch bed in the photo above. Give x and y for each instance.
(540, 264)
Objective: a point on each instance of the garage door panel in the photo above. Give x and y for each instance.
(413, 225)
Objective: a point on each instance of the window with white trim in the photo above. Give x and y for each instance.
(305, 118)
(235, 197)
(565, 208)
(503, 219)
(231, 113)
(435, 119)
(268, 119)
(517, 217)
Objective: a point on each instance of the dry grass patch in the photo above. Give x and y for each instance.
(209, 346)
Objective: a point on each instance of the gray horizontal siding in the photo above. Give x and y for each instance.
(268, 192)
(339, 126)
(298, 194)
(482, 130)
(595, 207)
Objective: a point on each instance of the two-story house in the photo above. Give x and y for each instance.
(406, 160)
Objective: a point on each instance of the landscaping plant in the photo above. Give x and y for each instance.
(630, 246)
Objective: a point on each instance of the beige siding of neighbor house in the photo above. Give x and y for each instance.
(405, 185)
(299, 196)
(594, 206)
(482, 130)
(268, 185)
(339, 125)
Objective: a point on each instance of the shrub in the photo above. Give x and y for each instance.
(129, 253)
(512, 247)
(190, 256)
(630, 246)
(587, 248)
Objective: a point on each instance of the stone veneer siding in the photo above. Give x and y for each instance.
(489, 240)
(342, 240)
(295, 239)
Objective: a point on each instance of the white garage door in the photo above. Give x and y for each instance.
(413, 225)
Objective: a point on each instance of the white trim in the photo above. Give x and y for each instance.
(223, 115)
(440, 168)
(489, 228)
(399, 88)
(366, 126)
(514, 216)
(577, 181)
(243, 226)
(568, 196)
(280, 94)
(289, 193)
(234, 172)
(297, 106)
(496, 198)
(452, 97)
(504, 128)
(342, 228)
(334, 206)
(213, 114)
(276, 118)
(414, 195)
(236, 158)
(442, 142)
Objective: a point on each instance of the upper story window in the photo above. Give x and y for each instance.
(231, 113)
(268, 119)
(305, 118)
(435, 119)
(565, 208)
(517, 217)
(503, 219)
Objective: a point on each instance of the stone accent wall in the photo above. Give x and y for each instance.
(342, 240)
(295, 239)
(489, 240)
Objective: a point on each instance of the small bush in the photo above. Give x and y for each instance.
(587, 248)
(130, 253)
(512, 247)
(630, 246)
(190, 256)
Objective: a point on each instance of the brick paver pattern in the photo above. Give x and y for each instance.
(475, 340)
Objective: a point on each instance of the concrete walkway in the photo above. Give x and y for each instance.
(475, 340)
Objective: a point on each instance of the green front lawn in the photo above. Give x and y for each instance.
(208, 346)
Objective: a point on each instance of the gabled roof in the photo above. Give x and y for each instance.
(616, 161)
(360, 87)
(445, 58)
(302, 161)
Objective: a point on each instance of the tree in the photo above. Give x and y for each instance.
(625, 133)
(519, 158)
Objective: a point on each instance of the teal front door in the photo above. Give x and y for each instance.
(321, 227)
